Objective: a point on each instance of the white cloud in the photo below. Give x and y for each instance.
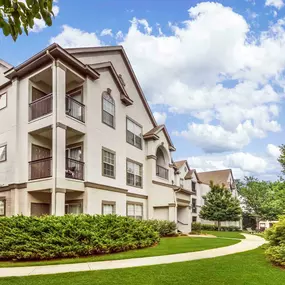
(278, 4)
(106, 32)
(119, 35)
(273, 150)
(71, 37)
(241, 163)
(160, 117)
(217, 73)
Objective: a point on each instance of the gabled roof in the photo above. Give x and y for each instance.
(219, 177)
(153, 135)
(5, 64)
(189, 175)
(180, 163)
(120, 49)
(44, 57)
(124, 95)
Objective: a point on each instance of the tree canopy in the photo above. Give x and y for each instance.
(220, 205)
(281, 158)
(262, 199)
(19, 15)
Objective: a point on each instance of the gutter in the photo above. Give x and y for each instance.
(54, 132)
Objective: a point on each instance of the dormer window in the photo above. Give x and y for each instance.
(108, 109)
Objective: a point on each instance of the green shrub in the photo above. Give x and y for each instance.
(223, 228)
(276, 246)
(48, 237)
(196, 228)
(164, 228)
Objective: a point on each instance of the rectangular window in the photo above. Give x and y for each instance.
(181, 182)
(193, 187)
(3, 153)
(134, 174)
(135, 210)
(73, 207)
(3, 101)
(108, 160)
(194, 207)
(134, 134)
(194, 219)
(108, 208)
(2, 207)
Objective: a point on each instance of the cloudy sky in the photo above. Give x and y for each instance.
(213, 72)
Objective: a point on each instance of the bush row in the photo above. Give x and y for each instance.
(48, 237)
(276, 246)
(198, 227)
(164, 228)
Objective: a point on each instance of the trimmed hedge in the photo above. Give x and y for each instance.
(198, 227)
(49, 237)
(164, 228)
(276, 247)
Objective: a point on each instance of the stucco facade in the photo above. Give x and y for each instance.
(79, 137)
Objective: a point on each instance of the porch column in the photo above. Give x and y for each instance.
(172, 212)
(60, 202)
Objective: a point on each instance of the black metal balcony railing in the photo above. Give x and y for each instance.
(161, 172)
(74, 169)
(75, 108)
(40, 168)
(194, 209)
(41, 107)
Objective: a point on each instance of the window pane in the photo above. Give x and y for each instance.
(131, 210)
(3, 100)
(108, 118)
(134, 134)
(130, 126)
(138, 141)
(138, 210)
(130, 167)
(108, 209)
(74, 209)
(2, 208)
(3, 153)
(75, 153)
(138, 181)
(108, 110)
(130, 179)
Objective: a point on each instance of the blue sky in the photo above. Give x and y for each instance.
(213, 72)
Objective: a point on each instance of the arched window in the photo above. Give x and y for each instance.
(161, 164)
(108, 109)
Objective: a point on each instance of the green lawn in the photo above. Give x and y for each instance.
(249, 268)
(166, 246)
(225, 234)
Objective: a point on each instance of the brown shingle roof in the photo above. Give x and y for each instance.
(153, 134)
(180, 163)
(219, 177)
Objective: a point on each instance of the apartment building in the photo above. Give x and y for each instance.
(77, 136)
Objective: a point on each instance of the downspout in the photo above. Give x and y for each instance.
(54, 132)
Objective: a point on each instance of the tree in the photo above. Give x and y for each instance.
(220, 205)
(18, 15)
(262, 199)
(281, 158)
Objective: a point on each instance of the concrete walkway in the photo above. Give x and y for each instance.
(251, 242)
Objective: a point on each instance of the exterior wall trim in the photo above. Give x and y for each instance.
(164, 184)
(134, 195)
(13, 186)
(183, 200)
(151, 157)
(105, 187)
(172, 205)
(61, 125)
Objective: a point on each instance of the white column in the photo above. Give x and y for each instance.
(60, 202)
(172, 214)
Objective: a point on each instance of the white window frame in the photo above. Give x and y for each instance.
(135, 173)
(135, 211)
(3, 95)
(3, 201)
(105, 150)
(4, 152)
(73, 203)
(109, 203)
(131, 126)
(108, 99)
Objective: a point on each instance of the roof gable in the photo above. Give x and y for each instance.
(153, 134)
(120, 49)
(219, 177)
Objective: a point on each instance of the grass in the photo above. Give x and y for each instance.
(248, 268)
(166, 246)
(225, 234)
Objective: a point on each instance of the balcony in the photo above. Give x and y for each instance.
(194, 209)
(74, 109)
(40, 168)
(161, 172)
(41, 107)
(74, 169)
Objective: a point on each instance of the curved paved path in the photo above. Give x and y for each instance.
(251, 242)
